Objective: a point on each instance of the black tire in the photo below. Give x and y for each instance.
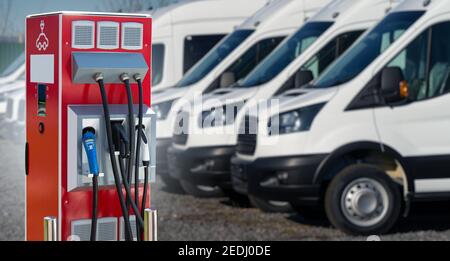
(270, 207)
(335, 191)
(200, 191)
(172, 185)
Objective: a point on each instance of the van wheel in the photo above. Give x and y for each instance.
(201, 191)
(363, 200)
(269, 206)
(171, 184)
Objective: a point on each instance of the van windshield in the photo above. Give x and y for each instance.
(14, 66)
(214, 57)
(157, 63)
(367, 49)
(284, 54)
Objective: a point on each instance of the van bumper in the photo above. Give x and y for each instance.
(281, 178)
(209, 166)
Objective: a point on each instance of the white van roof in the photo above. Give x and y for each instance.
(204, 10)
(345, 11)
(434, 7)
(283, 14)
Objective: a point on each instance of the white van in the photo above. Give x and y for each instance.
(371, 134)
(208, 148)
(6, 90)
(15, 111)
(232, 59)
(14, 71)
(183, 33)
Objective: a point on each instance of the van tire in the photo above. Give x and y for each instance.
(200, 191)
(269, 207)
(361, 188)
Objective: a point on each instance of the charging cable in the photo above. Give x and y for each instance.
(99, 79)
(137, 78)
(145, 153)
(89, 142)
(131, 123)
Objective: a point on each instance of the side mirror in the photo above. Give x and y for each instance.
(394, 87)
(227, 79)
(302, 78)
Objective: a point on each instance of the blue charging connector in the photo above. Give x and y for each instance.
(89, 143)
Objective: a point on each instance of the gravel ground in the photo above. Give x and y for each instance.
(12, 178)
(183, 217)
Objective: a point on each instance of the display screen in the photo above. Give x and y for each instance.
(42, 100)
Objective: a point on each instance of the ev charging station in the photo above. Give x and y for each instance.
(90, 152)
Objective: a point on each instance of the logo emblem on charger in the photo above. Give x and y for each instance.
(42, 42)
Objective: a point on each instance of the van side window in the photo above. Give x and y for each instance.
(195, 47)
(439, 75)
(246, 63)
(327, 55)
(425, 64)
(319, 62)
(252, 57)
(157, 67)
(413, 61)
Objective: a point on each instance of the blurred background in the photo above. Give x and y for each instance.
(182, 217)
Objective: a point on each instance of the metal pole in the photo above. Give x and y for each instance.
(50, 229)
(150, 225)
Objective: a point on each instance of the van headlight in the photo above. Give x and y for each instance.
(162, 109)
(294, 121)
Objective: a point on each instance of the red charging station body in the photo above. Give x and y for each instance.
(51, 40)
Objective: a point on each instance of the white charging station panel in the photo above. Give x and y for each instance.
(82, 116)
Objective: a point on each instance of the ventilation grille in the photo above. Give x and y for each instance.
(81, 229)
(132, 36)
(133, 228)
(108, 35)
(83, 34)
(106, 229)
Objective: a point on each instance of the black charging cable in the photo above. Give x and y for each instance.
(99, 79)
(138, 79)
(131, 123)
(94, 208)
(122, 150)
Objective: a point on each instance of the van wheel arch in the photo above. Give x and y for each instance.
(364, 152)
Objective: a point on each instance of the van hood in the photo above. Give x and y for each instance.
(227, 96)
(168, 94)
(296, 99)
(11, 87)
